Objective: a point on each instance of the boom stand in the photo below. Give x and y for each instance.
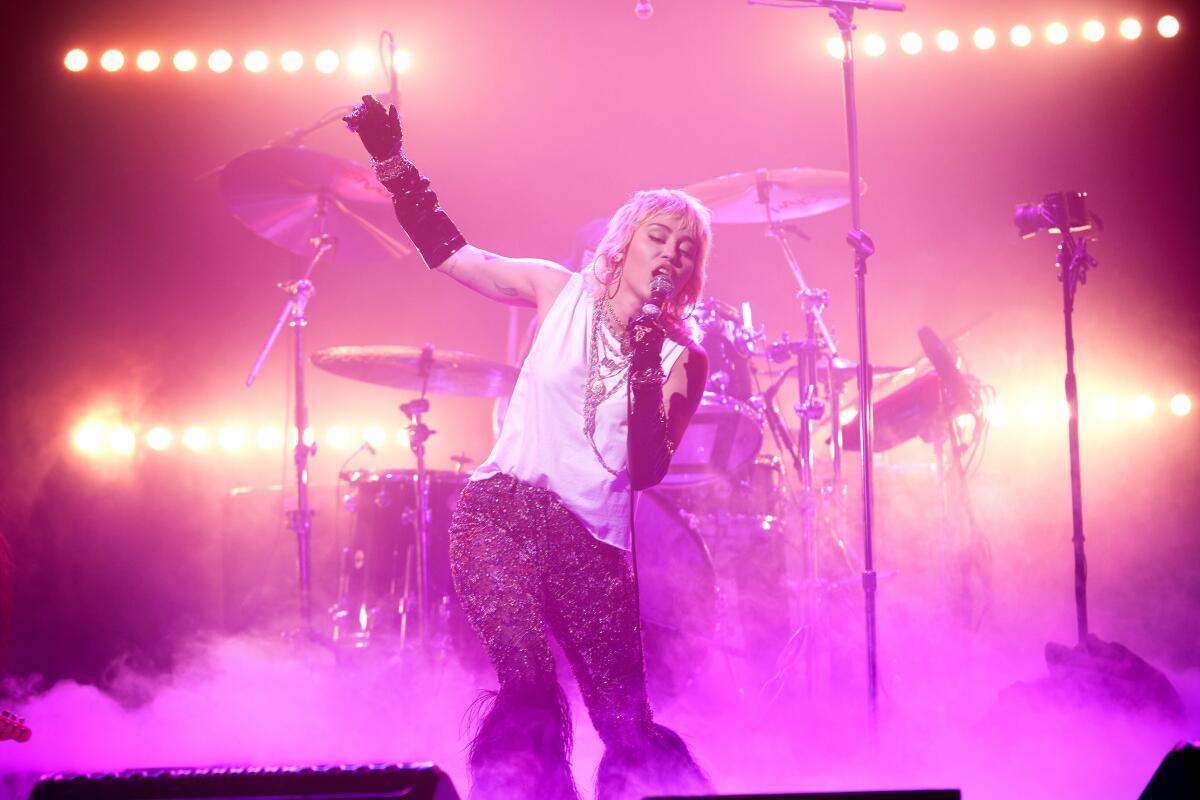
(1073, 263)
(300, 520)
(842, 13)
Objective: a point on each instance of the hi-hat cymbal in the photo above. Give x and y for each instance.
(448, 371)
(792, 192)
(289, 195)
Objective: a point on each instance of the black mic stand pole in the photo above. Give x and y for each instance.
(842, 13)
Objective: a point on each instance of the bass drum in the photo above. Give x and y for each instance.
(677, 584)
(377, 579)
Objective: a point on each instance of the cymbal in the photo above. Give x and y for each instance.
(449, 372)
(289, 195)
(793, 192)
(844, 369)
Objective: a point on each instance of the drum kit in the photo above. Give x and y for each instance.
(742, 492)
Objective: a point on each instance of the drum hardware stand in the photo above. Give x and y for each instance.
(418, 434)
(842, 13)
(299, 293)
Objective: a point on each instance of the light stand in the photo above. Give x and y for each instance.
(842, 13)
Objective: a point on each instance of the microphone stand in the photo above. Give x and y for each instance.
(842, 13)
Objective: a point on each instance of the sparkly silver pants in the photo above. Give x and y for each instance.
(524, 567)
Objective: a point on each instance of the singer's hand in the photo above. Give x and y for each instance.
(646, 338)
(377, 127)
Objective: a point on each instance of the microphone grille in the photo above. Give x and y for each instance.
(662, 284)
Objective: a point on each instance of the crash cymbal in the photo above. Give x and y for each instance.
(289, 195)
(793, 192)
(449, 372)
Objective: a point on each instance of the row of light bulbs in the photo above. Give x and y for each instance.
(96, 438)
(1056, 33)
(360, 61)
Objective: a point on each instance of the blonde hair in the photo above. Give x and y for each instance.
(697, 223)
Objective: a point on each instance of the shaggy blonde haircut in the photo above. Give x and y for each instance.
(697, 223)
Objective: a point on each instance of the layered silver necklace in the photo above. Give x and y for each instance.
(607, 367)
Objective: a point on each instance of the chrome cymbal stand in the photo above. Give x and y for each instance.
(842, 13)
(299, 292)
(418, 434)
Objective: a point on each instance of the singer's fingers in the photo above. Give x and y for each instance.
(395, 115)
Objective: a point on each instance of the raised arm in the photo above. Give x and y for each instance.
(517, 281)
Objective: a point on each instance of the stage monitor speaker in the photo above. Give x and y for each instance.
(914, 794)
(362, 782)
(1178, 776)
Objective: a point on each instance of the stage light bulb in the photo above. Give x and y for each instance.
(911, 43)
(185, 61)
(1056, 33)
(835, 47)
(374, 435)
(309, 437)
(112, 60)
(1064, 411)
(291, 61)
(1130, 28)
(148, 60)
(1020, 35)
(360, 61)
(89, 437)
(1033, 412)
(339, 437)
(326, 61)
(122, 440)
(1181, 405)
(1093, 30)
(1106, 408)
(75, 60)
(1142, 406)
(231, 438)
(402, 62)
(875, 45)
(255, 61)
(1168, 27)
(268, 437)
(997, 414)
(947, 41)
(220, 60)
(158, 438)
(984, 38)
(195, 438)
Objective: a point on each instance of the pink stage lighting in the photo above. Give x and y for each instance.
(947, 41)
(220, 61)
(1181, 405)
(148, 60)
(1020, 35)
(185, 61)
(1168, 27)
(291, 61)
(256, 61)
(112, 60)
(1056, 33)
(75, 60)
(1093, 30)
(326, 61)
(984, 38)
(1131, 28)
(911, 43)
(158, 438)
(875, 45)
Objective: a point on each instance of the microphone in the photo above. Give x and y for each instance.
(643, 9)
(958, 394)
(660, 289)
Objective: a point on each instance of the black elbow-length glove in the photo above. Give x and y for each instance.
(650, 446)
(434, 234)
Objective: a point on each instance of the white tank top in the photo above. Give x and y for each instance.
(543, 442)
